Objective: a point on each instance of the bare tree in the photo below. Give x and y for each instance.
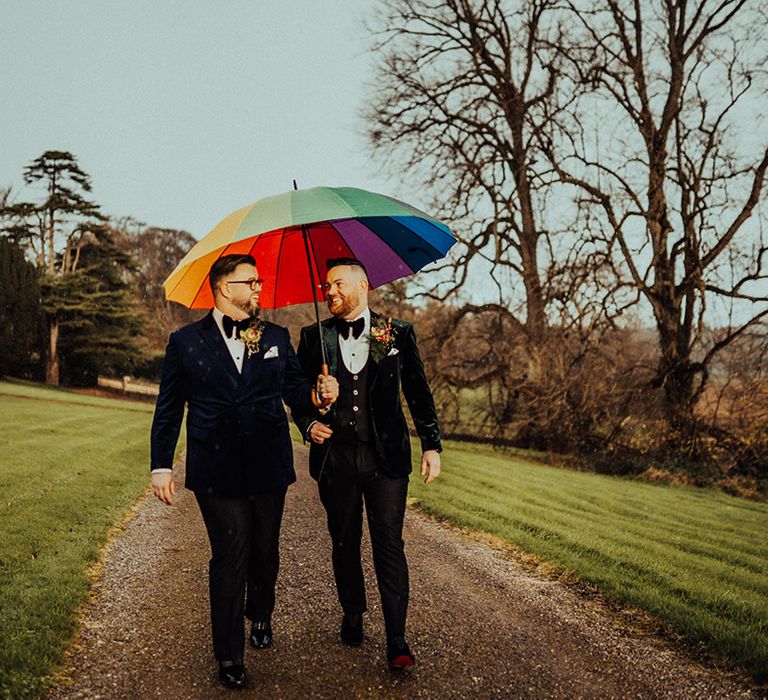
(457, 106)
(156, 251)
(675, 87)
(465, 92)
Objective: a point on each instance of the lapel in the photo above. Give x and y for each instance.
(216, 345)
(252, 364)
(331, 337)
(373, 363)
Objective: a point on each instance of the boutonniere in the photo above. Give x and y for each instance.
(252, 335)
(382, 338)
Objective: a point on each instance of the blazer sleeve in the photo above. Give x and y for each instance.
(418, 395)
(296, 386)
(169, 409)
(305, 415)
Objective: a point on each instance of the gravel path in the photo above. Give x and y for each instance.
(481, 624)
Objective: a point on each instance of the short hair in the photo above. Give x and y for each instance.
(350, 262)
(226, 264)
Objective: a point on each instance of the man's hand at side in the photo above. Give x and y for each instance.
(430, 465)
(319, 432)
(163, 486)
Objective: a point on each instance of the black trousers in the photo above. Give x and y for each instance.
(351, 477)
(245, 557)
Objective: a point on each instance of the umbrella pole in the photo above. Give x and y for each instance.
(324, 367)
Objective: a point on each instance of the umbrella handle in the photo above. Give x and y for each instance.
(317, 402)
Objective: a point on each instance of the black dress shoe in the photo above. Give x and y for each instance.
(232, 675)
(261, 635)
(352, 630)
(399, 654)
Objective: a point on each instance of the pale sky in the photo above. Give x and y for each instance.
(183, 111)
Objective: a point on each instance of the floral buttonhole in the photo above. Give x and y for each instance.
(252, 335)
(382, 338)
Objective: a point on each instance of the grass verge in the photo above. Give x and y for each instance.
(695, 558)
(71, 467)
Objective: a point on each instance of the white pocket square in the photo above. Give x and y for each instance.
(272, 352)
(393, 351)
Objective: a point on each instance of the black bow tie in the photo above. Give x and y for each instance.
(353, 327)
(232, 328)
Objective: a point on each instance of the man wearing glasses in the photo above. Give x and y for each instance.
(233, 371)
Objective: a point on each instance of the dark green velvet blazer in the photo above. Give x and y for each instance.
(400, 366)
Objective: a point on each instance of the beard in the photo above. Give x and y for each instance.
(347, 305)
(248, 306)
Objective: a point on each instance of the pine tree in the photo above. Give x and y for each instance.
(99, 313)
(54, 232)
(19, 310)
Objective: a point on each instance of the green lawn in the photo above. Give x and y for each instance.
(696, 558)
(71, 466)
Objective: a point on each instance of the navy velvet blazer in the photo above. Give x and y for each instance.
(386, 375)
(238, 441)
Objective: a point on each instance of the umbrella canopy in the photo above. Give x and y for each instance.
(391, 238)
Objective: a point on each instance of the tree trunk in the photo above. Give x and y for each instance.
(677, 373)
(52, 356)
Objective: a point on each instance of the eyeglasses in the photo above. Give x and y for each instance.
(252, 283)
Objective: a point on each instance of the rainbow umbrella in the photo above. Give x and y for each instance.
(291, 236)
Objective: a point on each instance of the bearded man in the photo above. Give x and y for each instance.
(360, 449)
(233, 371)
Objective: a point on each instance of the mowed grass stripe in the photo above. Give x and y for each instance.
(687, 546)
(695, 558)
(686, 526)
(18, 388)
(614, 499)
(673, 545)
(729, 563)
(71, 467)
(74, 445)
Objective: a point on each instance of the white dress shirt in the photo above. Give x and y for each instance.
(354, 351)
(236, 349)
(235, 346)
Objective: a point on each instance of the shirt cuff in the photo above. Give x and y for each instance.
(161, 469)
(307, 438)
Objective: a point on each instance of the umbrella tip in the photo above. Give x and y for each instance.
(295, 186)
